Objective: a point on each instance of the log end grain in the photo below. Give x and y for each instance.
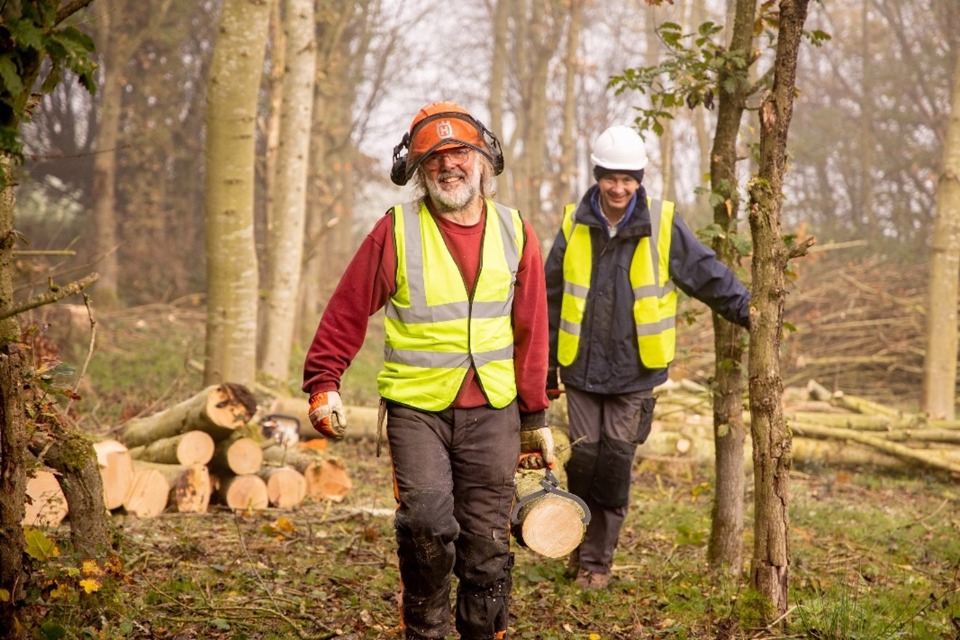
(244, 492)
(195, 447)
(190, 491)
(148, 494)
(117, 473)
(552, 526)
(327, 480)
(286, 487)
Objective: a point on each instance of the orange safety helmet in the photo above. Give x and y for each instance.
(439, 126)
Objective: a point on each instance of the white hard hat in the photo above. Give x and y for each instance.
(619, 148)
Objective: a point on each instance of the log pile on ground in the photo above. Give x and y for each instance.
(830, 429)
(202, 451)
(856, 326)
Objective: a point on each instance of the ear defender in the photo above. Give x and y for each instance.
(496, 153)
(398, 172)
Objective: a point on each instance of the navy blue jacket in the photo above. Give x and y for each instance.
(608, 361)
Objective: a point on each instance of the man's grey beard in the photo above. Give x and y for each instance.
(449, 202)
(487, 184)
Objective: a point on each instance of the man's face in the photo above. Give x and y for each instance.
(452, 178)
(616, 190)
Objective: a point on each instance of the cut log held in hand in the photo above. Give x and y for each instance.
(192, 447)
(217, 411)
(551, 524)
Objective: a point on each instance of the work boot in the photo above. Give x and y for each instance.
(592, 581)
(573, 564)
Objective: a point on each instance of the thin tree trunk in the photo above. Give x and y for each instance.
(771, 439)
(940, 362)
(232, 91)
(287, 225)
(725, 548)
(103, 192)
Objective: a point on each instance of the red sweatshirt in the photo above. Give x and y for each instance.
(370, 280)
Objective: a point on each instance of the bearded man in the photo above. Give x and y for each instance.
(465, 363)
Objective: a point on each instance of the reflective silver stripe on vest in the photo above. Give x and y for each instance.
(654, 290)
(575, 290)
(570, 327)
(655, 328)
(419, 312)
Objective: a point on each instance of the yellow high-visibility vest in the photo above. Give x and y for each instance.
(655, 296)
(434, 331)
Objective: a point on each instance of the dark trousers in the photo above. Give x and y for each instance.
(600, 467)
(453, 479)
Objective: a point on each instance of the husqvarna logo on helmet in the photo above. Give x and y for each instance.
(444, 129)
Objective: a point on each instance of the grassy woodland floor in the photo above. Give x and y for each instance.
(874, 555)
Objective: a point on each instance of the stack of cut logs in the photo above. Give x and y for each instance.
(202, 450)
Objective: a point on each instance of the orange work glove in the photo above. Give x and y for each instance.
(327, 414)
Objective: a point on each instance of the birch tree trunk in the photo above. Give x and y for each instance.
(287, 224)
(725, 548)
(234, 82)
(103, 192)
(771, 438)
(940, 362)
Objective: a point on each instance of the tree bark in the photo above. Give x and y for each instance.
(288, 220)
(940, 360)
(232, 281)
(771, 439)
(217, 411)
(192, 447)
(725, 548)
(72, 455)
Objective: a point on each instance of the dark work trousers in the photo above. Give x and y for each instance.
(453, 479)
(600, 467)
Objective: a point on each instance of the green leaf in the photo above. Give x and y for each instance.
(10, 76)
(26, 35)
(52, 631)
(82, 40)
(39, 546)
(52, 79)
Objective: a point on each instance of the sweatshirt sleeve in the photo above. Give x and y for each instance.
(696, 270)
(364, 289)
(530, 332)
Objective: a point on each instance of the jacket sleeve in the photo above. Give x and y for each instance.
(697, 271)
(364, 288)
(530, 333)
